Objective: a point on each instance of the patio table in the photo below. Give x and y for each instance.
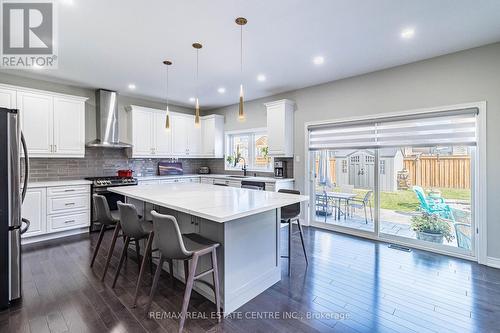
(338, 196)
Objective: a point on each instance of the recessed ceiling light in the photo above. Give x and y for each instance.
(407, 33)
(132, 86)
(261, 78)
(67, 2)
(36, 66)
(318, 60)
(221, 90)
(192, 99)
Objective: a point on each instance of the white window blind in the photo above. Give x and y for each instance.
(456, 127)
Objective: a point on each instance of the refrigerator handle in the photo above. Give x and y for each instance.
(27, 222)
(26, 168)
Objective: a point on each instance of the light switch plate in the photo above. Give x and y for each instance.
(297, 158)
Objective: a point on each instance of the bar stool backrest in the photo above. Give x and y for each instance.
(102, 211)
(169, 237)
(290, 211)
(129, 220)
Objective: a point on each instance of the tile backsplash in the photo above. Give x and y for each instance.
(106, 162)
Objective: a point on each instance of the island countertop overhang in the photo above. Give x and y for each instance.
(216, 203)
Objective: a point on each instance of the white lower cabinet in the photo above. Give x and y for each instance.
(55, 210)
(35, 210)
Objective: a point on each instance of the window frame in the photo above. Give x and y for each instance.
(252, 133)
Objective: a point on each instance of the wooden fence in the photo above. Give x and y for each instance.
(442, 171)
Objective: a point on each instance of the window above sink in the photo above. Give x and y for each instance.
(251, 145)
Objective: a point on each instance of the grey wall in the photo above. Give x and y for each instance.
(90, 112)
(467, 76)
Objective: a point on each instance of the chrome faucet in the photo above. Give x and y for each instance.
(236, 160)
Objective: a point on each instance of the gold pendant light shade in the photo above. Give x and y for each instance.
(167, 120)
(241, 113)
(197, 114)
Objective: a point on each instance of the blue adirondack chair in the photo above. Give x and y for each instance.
(433, 205)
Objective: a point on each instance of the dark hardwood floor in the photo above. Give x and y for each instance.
(351, 285)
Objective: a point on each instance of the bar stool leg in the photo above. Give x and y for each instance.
(302, 240)
(122, 258)
(138, 252)
(216, 283)
(171, 271)
(186, 270)
(143, 266)
(187, 292)
(155, 282)
(111, 249)
(289, 247)
(98, 245)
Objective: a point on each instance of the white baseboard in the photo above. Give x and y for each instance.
(493, 262)
(55, 235)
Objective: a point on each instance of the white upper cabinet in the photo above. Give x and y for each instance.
(37, 122)
(186, 138)
(69, 127)
(180, 127)
(280, 127)
(142, 132)
(7, 98)
(162, 136)
(150, 138)
(212, 134)
(53, 124)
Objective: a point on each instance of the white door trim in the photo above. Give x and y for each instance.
(480, 184)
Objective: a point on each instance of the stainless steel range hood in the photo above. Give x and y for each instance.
(107, 121)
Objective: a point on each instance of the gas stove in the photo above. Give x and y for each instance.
(111, 181)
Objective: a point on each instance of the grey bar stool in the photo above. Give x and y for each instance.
(134, 230)
(173, 245)
(105, 217)
(289, 214)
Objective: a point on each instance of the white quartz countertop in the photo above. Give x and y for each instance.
(219, 176)
(59, 183)
(215, 203)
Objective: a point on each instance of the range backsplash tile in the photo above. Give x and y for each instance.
(106, 162)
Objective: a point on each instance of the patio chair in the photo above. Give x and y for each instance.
(433, 205)
(363, 203)
(462, 232)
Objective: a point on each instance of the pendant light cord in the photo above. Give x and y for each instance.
(167, 89)
(197, 69)
(241, 53)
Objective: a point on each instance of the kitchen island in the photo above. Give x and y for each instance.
(245, 222)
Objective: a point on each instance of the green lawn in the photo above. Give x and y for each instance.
(406, 201)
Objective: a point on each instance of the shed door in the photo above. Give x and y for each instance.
(361, 168)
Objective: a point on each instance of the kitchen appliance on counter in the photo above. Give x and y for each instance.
(170, 168)
(10, 205)
(279, 169)
(125, 173)
(204, 170)
(100, 185)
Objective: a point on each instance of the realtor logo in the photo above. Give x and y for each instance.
(28, 34)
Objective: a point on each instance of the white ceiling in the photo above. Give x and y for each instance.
(109, 44)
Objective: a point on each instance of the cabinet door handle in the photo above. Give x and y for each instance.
(69, 204)
(51, 148)
(70, 221)
(55, 148)
(69, 190)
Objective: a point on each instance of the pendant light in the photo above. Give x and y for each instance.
(197, 46)
(167, 121)
(241, 21)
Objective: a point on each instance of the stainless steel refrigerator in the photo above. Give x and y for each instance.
(12, 193)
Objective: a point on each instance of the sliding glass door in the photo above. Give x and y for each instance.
(407, 179)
